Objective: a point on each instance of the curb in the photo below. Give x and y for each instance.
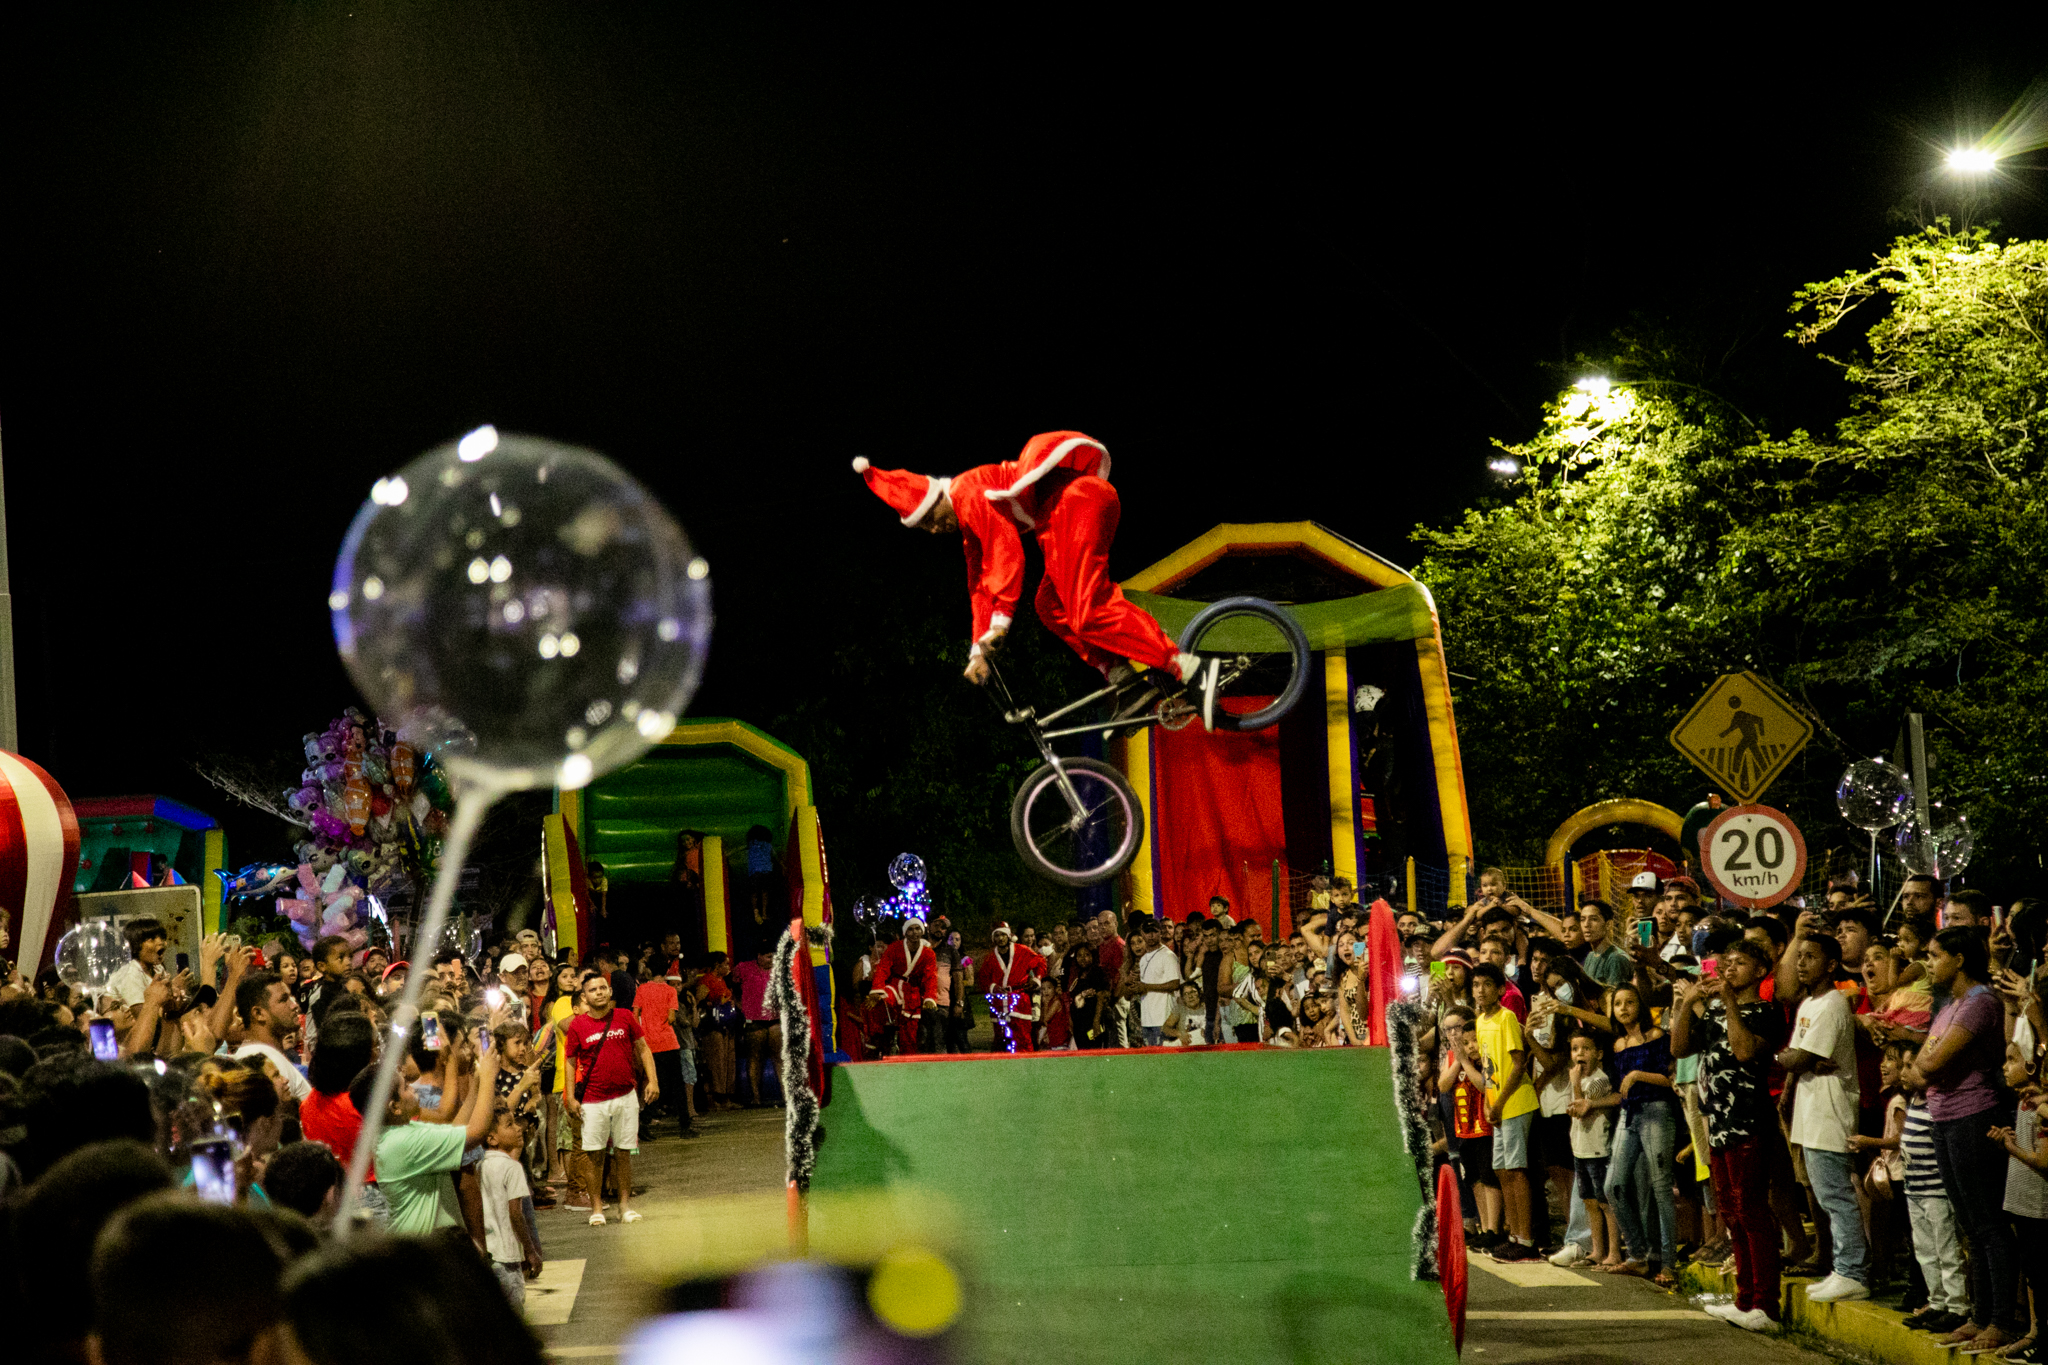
(1869, 1329)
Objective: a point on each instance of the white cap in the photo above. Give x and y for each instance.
(511, 962)
(1646, 881)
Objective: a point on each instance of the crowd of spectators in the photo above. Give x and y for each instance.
(1844, 1092)
(207, 1115)
(1107, 982)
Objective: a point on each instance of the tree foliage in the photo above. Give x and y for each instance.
(1657, 539)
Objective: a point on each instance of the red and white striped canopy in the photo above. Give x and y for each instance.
(38, 855)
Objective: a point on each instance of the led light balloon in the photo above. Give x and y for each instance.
(89, 956)
(905, 869)
(1874, 795)
(525, 609)
(1940, 852)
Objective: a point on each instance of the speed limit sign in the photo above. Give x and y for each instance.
(1753, 855)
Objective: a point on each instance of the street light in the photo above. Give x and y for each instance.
(1972, 161)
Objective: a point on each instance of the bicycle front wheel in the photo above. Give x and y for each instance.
(1259, 651)
(1076, 848)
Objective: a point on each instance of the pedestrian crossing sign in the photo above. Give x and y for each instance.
(1742, 734)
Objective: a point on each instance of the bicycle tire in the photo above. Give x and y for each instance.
(1093, 775)
(1291, 632)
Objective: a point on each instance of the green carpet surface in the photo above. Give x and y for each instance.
(1220, 1206)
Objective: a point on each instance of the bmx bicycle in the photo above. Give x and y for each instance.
(1076, 821)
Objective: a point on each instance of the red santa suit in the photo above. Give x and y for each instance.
(1058, 490)
(905, 983)
(1005, 976)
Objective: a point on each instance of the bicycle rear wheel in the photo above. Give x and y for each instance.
(1261, 652)
(1060, 848)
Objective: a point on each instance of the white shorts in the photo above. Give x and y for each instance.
(614, 1123)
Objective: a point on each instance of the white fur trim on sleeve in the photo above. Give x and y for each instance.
(974, 653)
(998, 621)
(860, 464)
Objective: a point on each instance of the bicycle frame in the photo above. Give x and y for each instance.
(1028, 717)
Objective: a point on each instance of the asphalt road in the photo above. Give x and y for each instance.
(1534, 1311)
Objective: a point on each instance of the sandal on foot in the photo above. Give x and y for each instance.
(597, 1219)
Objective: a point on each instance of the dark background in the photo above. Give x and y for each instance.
(259, 255)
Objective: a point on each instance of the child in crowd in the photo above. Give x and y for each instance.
(508, 1238)
(2026, 1185)
(1884, 1177)
(1936, 1237)
(1463, 1079)
(1592, 1114)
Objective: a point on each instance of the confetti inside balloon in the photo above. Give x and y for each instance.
(1874, 795)
(89, 956)
(525, 609)
(1942, 853)
(905, 869)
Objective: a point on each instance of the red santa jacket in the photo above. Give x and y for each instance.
(993, 975)
(996, 502)
(905, 984)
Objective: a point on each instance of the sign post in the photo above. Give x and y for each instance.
(1754, 856)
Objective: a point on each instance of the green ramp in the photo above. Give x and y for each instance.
(1225, 1206)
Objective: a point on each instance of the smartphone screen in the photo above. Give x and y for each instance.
(105, 1046)
(1645, 931)
(213, 1171)
(483, 1039)
(1439, 969)
(430, 1032)
(1710, 968)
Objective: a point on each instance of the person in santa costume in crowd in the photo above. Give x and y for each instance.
(1009, 973)
(1057, 490)
(906, 983)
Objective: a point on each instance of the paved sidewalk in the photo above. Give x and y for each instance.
(602, 1294)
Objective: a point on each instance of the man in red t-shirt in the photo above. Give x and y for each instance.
(602, 1047)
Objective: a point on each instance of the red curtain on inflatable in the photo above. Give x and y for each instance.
(1217, 800)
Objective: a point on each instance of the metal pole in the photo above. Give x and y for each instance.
(10, 738)
(1916, 739)
(1414, 905)
(1276, 901)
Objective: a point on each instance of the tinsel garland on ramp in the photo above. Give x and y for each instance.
(802, 1131)
(1405, 1024)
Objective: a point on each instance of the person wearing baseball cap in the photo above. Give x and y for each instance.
(1645, 890)
(512, 980)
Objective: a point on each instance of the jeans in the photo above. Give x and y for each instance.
(1834, 1189)
(1639, 1182)
(1154, 1037)
(1975, 1179)
(1578, 1225)
(511, 1276)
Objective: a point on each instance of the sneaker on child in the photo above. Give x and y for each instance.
(1755, 1320)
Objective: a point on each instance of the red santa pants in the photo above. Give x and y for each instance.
(1077, 600)
(1021, 1028)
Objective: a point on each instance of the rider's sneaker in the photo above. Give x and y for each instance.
(1187, 664)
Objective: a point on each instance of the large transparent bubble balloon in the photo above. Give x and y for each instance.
(906, 869)
(89, 956)
(524, 608)
(1874, 795)
(1943, 852)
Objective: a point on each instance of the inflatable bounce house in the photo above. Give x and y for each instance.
(1368, 784)
(719, 779)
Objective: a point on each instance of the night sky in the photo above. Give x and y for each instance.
(260, 255)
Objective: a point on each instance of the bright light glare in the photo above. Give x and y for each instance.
(577, 770)
(476, 444)
(1504, 465)
(1596, 385)
(1972, 160)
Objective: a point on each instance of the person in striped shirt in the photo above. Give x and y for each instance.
(1937, 1244)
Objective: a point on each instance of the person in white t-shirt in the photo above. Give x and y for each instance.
(514, 1252)
(1820, 1061)
(269, 1014)
(147, 939)
(1186, 1024)
(1158, 982)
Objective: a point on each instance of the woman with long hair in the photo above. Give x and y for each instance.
(1645, 1142)
(1962, 1065)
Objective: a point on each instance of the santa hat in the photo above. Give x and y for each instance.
(912, 495)
(1001, 926)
